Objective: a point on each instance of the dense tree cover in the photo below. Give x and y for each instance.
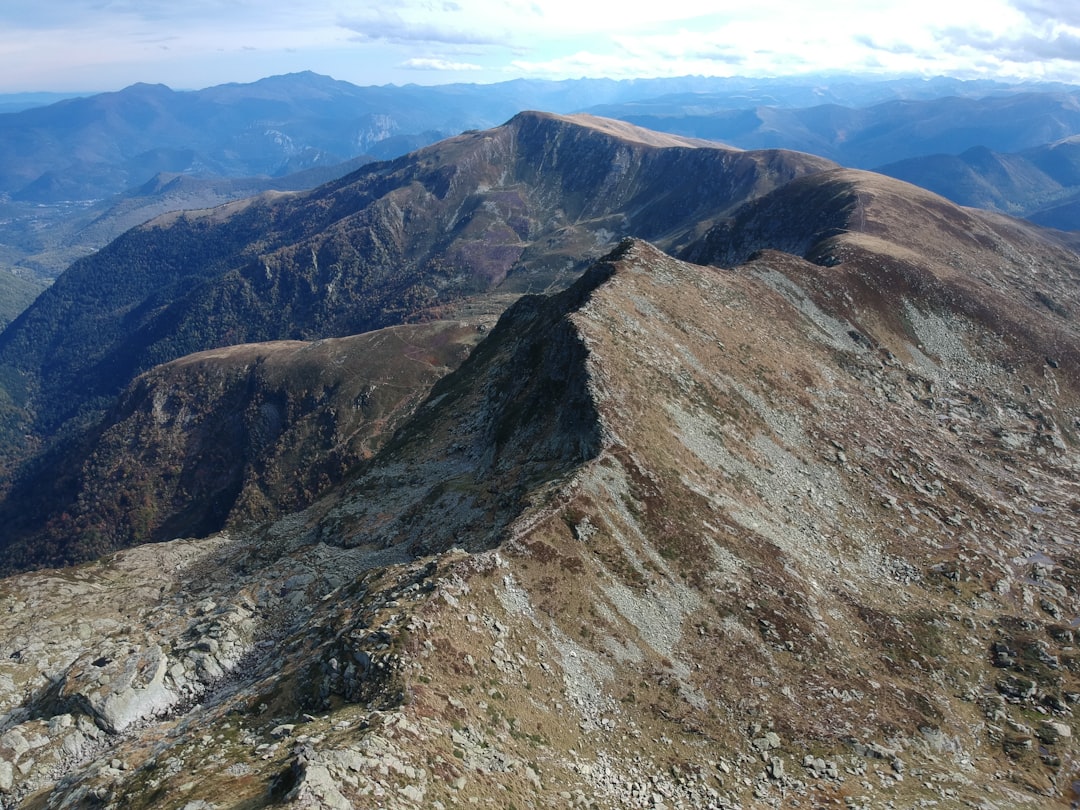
(16, 294)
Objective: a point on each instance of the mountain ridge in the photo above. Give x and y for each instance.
(790, 524)
(75, 164)
(835, 218)
(532, 200)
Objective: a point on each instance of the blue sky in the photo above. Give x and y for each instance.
(96, 45)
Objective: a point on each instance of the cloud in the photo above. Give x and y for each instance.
(110, 43)
(894, 47)
(422, 63)
(1065, 12)
(1063, 45)
(391, 27)
(1040, 38)
(60, 13)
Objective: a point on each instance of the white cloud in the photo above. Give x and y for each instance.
(770, 38)
(390, 25)
(1030, 38)
(422, 63)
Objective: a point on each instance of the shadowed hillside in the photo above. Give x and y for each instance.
(226, 437)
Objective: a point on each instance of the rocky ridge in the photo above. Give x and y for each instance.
(740, 538)
(455, 232)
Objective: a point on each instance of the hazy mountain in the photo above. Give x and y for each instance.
(1011, 183)
(94, 146)
(1041, 184)
(17, 102)
(874, 135)
(1013, 153)
(795, 529)
(1064, 215)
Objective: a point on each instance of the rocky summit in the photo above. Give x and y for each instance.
(788, 520)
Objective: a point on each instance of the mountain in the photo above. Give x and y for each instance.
(48, 238)
(1041, 184)
(66, 167)
(797, 528)
(64, 164)
(515, 209)
(17, 102)
(1063, 215)
(873, 135)
(94, 146)
(226, 437)
(16, 294)
(1010, 183)
(85, 229)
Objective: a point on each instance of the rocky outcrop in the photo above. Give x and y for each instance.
(118, 687)
(516, 416)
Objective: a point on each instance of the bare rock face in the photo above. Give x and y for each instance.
(119, 687)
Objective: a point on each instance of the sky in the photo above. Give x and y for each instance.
(101, 45)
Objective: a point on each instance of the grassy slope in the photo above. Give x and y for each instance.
(16, 294)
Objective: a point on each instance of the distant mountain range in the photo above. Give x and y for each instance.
(90, 148)
(74, 174)
(1041, 184)
(873, 135)
(1017, 154)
